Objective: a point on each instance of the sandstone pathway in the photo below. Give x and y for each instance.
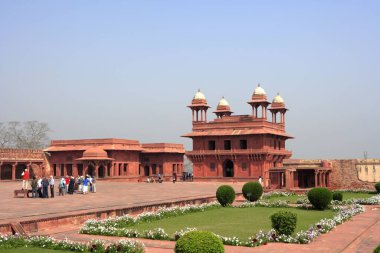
(361, 234)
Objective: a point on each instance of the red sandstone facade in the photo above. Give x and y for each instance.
(239, 147)
(114, 158)
(14, 161)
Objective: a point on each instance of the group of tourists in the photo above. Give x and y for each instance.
(41, 186)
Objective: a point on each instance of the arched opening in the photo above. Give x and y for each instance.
(102, 171)
(20, 168)
(91, 170)
(228, 168)
(6, 172)
(146, 171)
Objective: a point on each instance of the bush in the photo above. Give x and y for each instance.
(284, 222)
(337, 196)
(225, 195)
(377, 250)
(377, 186)
(199, 242)
(320, 198)
(252, 191)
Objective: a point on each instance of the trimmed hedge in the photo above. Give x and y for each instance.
(199, 242)
(284, 222)
(252, 191)
(225, 195)
(377, 186)
(320, 197)
(337, 196)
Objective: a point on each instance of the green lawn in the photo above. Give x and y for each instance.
(240, 222)
(291, 199)
(354, 195)
(32, 250)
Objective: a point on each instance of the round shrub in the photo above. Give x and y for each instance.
(337, 196)
(252, 191)
(284, 222)
(377, 250)
(377, 186)
(199, 242)
(320, 198)
(225, 195)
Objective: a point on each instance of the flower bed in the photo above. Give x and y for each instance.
(15, 241)
(102, 227)
(374, 200)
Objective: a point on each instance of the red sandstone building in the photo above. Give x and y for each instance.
(114, 158)
(244, 147)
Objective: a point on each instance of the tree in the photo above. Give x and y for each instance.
(28, 135)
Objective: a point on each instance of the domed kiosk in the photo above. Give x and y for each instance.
(97, 162)
(223, 108)
(199, 104)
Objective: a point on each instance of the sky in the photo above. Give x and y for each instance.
(128, 69)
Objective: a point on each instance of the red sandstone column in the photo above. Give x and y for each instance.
(111, 169)
(316, 178)
(197, 113)
(192, 112)
(14, 171)
(324, 179)
(64, 170)
(97, 170)
(75, 170)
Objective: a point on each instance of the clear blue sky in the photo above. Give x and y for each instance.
(127, 69)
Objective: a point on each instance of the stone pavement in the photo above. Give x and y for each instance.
(109, 195)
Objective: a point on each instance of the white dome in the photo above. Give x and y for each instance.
(278, 99)
(259, 91)
(199, 95)
(223, 102)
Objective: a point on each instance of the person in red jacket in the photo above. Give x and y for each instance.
(25, 179)
(67, 181)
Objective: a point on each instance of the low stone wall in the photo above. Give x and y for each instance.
(77, 218)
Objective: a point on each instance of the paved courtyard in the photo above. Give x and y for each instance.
(358, 235)
(109, 195)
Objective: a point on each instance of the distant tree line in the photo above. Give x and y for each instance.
(24, 135)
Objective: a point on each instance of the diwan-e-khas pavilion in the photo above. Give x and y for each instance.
(246, 147)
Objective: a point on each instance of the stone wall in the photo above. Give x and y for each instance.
(345, 175)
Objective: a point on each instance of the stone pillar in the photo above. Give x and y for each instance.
(327, 179)
(75, 170)
(324, 179)
(14, 171)
(316, 178)
(192, 112)
(265, 112)
(111, 169)
(97, 170)
(64, 169)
